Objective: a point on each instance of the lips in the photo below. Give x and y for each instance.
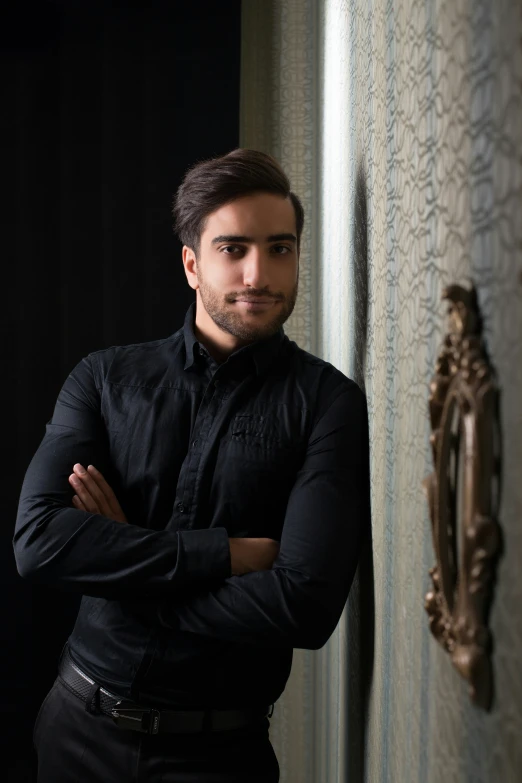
(257, 301)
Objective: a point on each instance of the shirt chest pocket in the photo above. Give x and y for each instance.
(257, 466)
(263, 441)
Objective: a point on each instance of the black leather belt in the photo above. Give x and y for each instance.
(129, 715)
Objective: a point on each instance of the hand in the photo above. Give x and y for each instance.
(94, 494)
(252, 554)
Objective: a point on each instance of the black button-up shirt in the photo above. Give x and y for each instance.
(271, 443)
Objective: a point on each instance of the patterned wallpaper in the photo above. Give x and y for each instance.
(399, 123)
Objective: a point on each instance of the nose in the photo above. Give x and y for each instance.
(256, 269)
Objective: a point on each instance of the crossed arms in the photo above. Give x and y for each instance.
(294, 600)
(96, 496)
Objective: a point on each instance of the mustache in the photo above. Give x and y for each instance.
(253, 294)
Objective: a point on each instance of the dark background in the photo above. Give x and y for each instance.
(103, 108)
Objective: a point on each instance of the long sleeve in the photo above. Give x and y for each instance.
(299, 602)
(58, 545)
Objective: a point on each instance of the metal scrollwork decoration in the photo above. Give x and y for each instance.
(463, 494)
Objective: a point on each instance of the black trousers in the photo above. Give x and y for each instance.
(75, 746)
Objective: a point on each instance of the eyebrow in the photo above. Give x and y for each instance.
(238, 238)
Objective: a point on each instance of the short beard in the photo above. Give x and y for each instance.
(216, 306)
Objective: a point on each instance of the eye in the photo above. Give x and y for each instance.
(280, 250)
(231, 250)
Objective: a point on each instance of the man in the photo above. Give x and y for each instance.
(207, 494)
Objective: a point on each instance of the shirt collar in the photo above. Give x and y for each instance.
(262, 352)
(191, 342)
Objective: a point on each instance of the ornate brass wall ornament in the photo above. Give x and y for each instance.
(463, 494)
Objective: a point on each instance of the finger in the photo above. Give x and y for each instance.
(83, 493)
(78, 503)
(105, 488)
(91, 486)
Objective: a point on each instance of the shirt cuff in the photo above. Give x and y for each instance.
(206, 554)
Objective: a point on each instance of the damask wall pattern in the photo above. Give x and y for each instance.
(399, 123)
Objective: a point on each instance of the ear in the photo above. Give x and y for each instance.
(190, 264)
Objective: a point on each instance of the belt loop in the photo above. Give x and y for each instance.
(93, 700)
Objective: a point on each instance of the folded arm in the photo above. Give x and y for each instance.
(62, 546)
(299, 602)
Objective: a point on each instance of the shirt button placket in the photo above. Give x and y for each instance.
(209, 408)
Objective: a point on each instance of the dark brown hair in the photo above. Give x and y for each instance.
(211, 184)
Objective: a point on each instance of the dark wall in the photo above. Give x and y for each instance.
(104, 106)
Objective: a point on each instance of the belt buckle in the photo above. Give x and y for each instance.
(145, 720)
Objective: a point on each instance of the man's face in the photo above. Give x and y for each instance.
(246, 273)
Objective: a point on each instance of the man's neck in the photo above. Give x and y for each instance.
(218, 343)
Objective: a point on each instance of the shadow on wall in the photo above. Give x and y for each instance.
(361, 604)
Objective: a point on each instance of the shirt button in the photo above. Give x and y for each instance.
(194, 444)
(181, 508)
